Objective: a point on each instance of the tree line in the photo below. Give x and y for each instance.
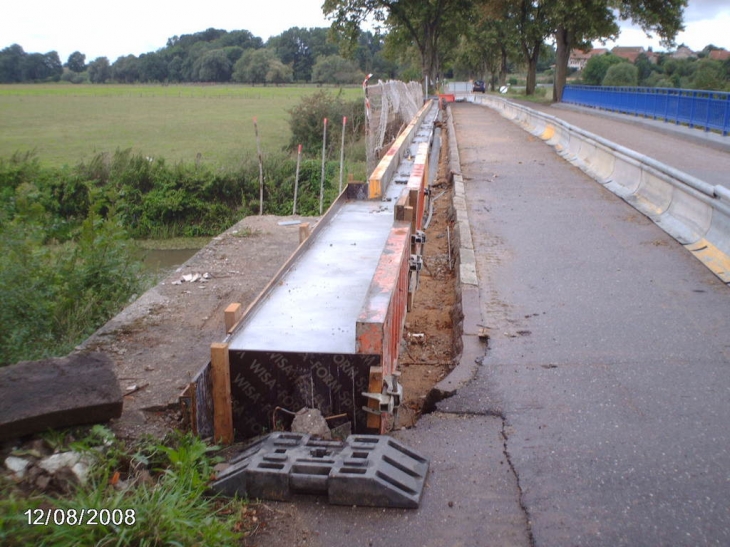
(214, 55)
(412, 39)
(701, 72)
(489, 35)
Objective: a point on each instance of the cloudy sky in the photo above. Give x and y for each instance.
(101, 28)
(706, 22)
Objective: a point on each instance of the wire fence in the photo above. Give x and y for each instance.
(390, 106)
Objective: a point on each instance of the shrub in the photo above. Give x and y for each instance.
(621, 75)
(306, 122)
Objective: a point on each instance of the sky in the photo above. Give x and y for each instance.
(112, 29)
(706, 22)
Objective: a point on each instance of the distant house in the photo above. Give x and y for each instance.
(683, 52)
(578, 58)
(719, 55)
(628, 53)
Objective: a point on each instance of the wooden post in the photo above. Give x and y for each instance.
(232, 315)
(296, 179)
(261, 167)
(324, 157)
(222, 407)
(303, 232)
(342, 150)
(375, 385)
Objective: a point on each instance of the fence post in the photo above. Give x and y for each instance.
(296, 179)
(342, 150)
(261, 167)
(324, 156)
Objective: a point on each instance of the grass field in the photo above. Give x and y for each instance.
(66, 124)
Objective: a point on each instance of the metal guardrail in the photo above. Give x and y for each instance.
(708, 110)
(695, 213)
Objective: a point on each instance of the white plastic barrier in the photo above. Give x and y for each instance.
(695, 213)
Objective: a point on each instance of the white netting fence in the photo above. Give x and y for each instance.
(390, 106)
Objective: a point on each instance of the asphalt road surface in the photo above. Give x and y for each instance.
(609, 356)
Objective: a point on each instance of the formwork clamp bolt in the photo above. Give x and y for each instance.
(416, 263)
(389, 399)
(418, 237)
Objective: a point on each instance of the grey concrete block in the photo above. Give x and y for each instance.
(53, 393)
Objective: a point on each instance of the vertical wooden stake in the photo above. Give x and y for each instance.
(232, 315)
(303, 232)
(296, 179)
(261, 167)
(342, 150)
(375, 385)
(324, 154)
(221, 380)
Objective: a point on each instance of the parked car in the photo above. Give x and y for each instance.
(479, 86)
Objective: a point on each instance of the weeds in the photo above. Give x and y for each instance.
(160, 498)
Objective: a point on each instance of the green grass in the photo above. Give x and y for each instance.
(165, 500)
(67, 124)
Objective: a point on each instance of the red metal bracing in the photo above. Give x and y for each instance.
(380, 323)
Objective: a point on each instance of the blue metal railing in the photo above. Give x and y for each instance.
(708, 110)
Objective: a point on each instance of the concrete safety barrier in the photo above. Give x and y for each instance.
(695, 213)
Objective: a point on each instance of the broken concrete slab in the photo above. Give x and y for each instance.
(52, 393)
(311, 421)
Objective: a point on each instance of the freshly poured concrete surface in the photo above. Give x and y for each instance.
(315, 306)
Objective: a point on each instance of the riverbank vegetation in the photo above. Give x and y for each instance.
(68, 261)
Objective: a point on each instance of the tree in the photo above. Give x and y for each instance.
(39, 67)
(152, 68)
(578, 22)
(126, 69)
(279, 73)
(99, 70)
(532, 19)
(333, 69)
(253, 66)
(76, 62)
(597, 67)
(709, 75)
(11, 64)
(621, 75)
(214, 66)
(426, 24)
(299, 48)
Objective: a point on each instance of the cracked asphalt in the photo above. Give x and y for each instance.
(609, 350)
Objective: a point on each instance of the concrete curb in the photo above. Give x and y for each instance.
(467, 284)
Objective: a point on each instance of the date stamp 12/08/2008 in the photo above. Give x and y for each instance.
(81, 517)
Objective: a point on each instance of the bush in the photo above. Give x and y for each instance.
(621, 75)
(54, 296)
(306, 122)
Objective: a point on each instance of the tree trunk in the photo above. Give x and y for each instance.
(504, 68)
(564, 43)
(531, 82)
